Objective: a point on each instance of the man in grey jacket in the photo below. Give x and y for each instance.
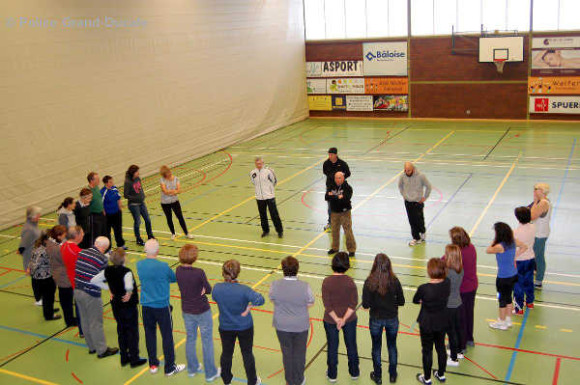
(264, 181)
(415, 189)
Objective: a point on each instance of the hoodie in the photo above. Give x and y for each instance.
(66, 217)
(133, 191)
(412, 187)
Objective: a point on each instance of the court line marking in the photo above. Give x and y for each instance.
(517, 345)
(556, 371)
(563, 183)
(25, 377)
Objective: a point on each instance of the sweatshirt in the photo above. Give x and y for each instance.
(329, 169)
(414, 187)
(339, 205)
(264, 181)
(66, 218)
(232, 299)
(30, 233)
(383, 307)
(133, 191)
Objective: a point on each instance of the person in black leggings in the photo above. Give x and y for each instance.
(170, 187)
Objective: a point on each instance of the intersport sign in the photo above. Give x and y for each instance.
(385, 59)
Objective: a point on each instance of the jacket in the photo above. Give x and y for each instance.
(338, 205)
(412, 187)
(133, 191)
(329, 169)
(264, 181)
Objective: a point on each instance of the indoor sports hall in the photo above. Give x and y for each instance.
(481, 96)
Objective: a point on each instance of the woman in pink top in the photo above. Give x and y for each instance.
(468, 287)
(525, 260)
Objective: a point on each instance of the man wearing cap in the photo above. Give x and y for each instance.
(415, 189)
(330, 167)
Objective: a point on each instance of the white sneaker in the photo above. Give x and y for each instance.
(354, 378)
(415, 242)
(189, 236)
(508, 322)
(500, 325)
(196, 371)
(173, 236)
(153, 369)
(259, 381)
(450, 362)
(460, 356)
(38, 303)
(423, 236)
(176, 369)
(217, 375)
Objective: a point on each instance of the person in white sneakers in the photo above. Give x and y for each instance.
(264, 181)
(541, 210)
(170, 187)
(504, 248)
(415, 189)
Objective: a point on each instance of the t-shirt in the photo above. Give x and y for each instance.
(169, 185)
(291, 298)
(233, 299)
(433, 297)
(383, 306)
(526, 234)
(506, 266)
(469, 260)
(111, 198)
(155, 277)
(455, 279)
(191, 282)
(339, 293)
(89, 263)
(96, 205)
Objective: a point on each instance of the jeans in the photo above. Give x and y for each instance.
(246, 339)
(138, 211)
(428, 338)
(270, 204)
(47, 291)
(204, 322)
(454, 331)
(293, 346)
(176, 207)
(332, 337)
(466, 310)
(416, 218)
(65, 296)
(127, 331)
(153, 317)
(539, 250)
(391, 327)
(115, 222)
(525, 284)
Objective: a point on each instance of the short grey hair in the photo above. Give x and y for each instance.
(152, 247)
(32, 211)
(73, 232)
(258, 158)
(102, 243)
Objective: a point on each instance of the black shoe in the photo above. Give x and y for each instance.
(56, 310)
(109, 352)
(280, 235)
(92, 351)
(138, 362)
(332, 251)
(265, 234)
(376, 379)
(54, 318)
(140, 242)
(124, 361)
(351, 255)
(393, 378)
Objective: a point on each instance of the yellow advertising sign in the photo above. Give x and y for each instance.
(556, 85)
(397, 86)
(320, 102)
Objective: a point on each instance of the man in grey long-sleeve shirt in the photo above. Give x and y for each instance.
(415, 189)
(30, 233)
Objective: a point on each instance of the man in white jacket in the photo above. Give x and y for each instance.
(264, 181)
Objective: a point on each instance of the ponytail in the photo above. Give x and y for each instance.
(67, 201)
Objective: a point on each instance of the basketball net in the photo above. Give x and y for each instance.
(499, 63)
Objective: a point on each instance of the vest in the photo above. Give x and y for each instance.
(115, 279)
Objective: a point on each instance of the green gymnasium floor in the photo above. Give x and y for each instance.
(480, 171)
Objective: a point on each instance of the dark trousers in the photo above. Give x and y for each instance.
(138, 211)
(428, 338)
(97, 225)
(293, 346)
(271, 205)
(47, 289)
(176, 207)
(36, 289)
(246, 340)
(65, 296)
(454, 331)
(332, 337)
(524, 287)
(115, 222)
(416, 218)
(329, 211)
(78, 313)
(467, 315)
(391, 327)
(153, 317)
(127, 331)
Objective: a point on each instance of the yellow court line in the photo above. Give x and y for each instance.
(28, 378)
(503, 182)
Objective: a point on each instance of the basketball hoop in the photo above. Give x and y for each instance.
(499, 63)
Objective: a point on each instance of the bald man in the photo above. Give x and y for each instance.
(415, 189)
(338, 196)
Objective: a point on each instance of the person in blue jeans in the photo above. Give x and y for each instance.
(525, 261)
(155, 277)
(234, 302)
(194, 288)
(133, 192)
(340, 298)
(383, 294)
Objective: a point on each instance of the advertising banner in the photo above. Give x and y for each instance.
(385, 58)
(338, 102)
(391, 103)
(316, 86)
(555, 104)
(558, 55)
(386, 86)
(556, 85)
(320, 103)
(341, 68)
(359, 103)
(313, 69)
(345, 86)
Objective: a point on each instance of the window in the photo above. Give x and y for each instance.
(422, 17)
(468, 16)
(546, 15)
(569, 11)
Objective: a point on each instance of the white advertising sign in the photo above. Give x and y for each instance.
(555, 105)
(385, 59)
(359, 103)
(345, 86)
(316, 86)
(556, 42)
(342, 68)
(313, 69)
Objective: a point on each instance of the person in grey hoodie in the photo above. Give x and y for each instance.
(66, 216)
(415, 189)
(133, 192)
(30, 233)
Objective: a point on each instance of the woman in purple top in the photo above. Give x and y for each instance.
(194, 286)
(468, 287)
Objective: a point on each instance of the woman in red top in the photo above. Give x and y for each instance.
(69, 252)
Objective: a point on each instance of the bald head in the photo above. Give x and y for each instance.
(339, 178)
(409, 168)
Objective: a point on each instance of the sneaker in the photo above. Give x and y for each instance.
(332, 251)
(393, 378)
(192, 374)
(451, 362)
(500, 325)
(265, 234)
(415, 242)
(280, 235)
(140, 242)
(518, 312)
(92, 351)
(332, 380)
(55, 317)
(470, 343)
(438, 377)
(423, 236)
(38, 303)
(109, 352)
(153, 369)
(176, 369)
(530, 305)
(351, 255)
(138, 362)
(460, 355)
(354, 378)
(259, 381)
(213, 378)
(376, 379)
(327, 227)
(173, 236)
(421, 379)
(508, 322)
(189, 236)
(538, 285)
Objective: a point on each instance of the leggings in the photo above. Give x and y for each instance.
(176, 207)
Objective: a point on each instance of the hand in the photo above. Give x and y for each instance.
(422, 200)
(203, 291)
(330, 193)
(126, 297)
(340, 197)
(340, 323)
(27, 271)
(246, 312)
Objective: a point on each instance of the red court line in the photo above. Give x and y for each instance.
(76, 378)
(556, 371)
(528, 351)
(480, 367)
(6, 272)
(67, 353)
(11, 269)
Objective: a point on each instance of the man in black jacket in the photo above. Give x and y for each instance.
(338, 196)
(330, 167)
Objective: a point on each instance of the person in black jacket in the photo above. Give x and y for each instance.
(433, 319)
(338, 195)
(133, 192)
(330, 167)
(383, 294)
(82, 212)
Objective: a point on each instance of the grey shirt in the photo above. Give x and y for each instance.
(454, 300)
(291, 298)
(169, 185)
(30, 233)
(414, 187)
